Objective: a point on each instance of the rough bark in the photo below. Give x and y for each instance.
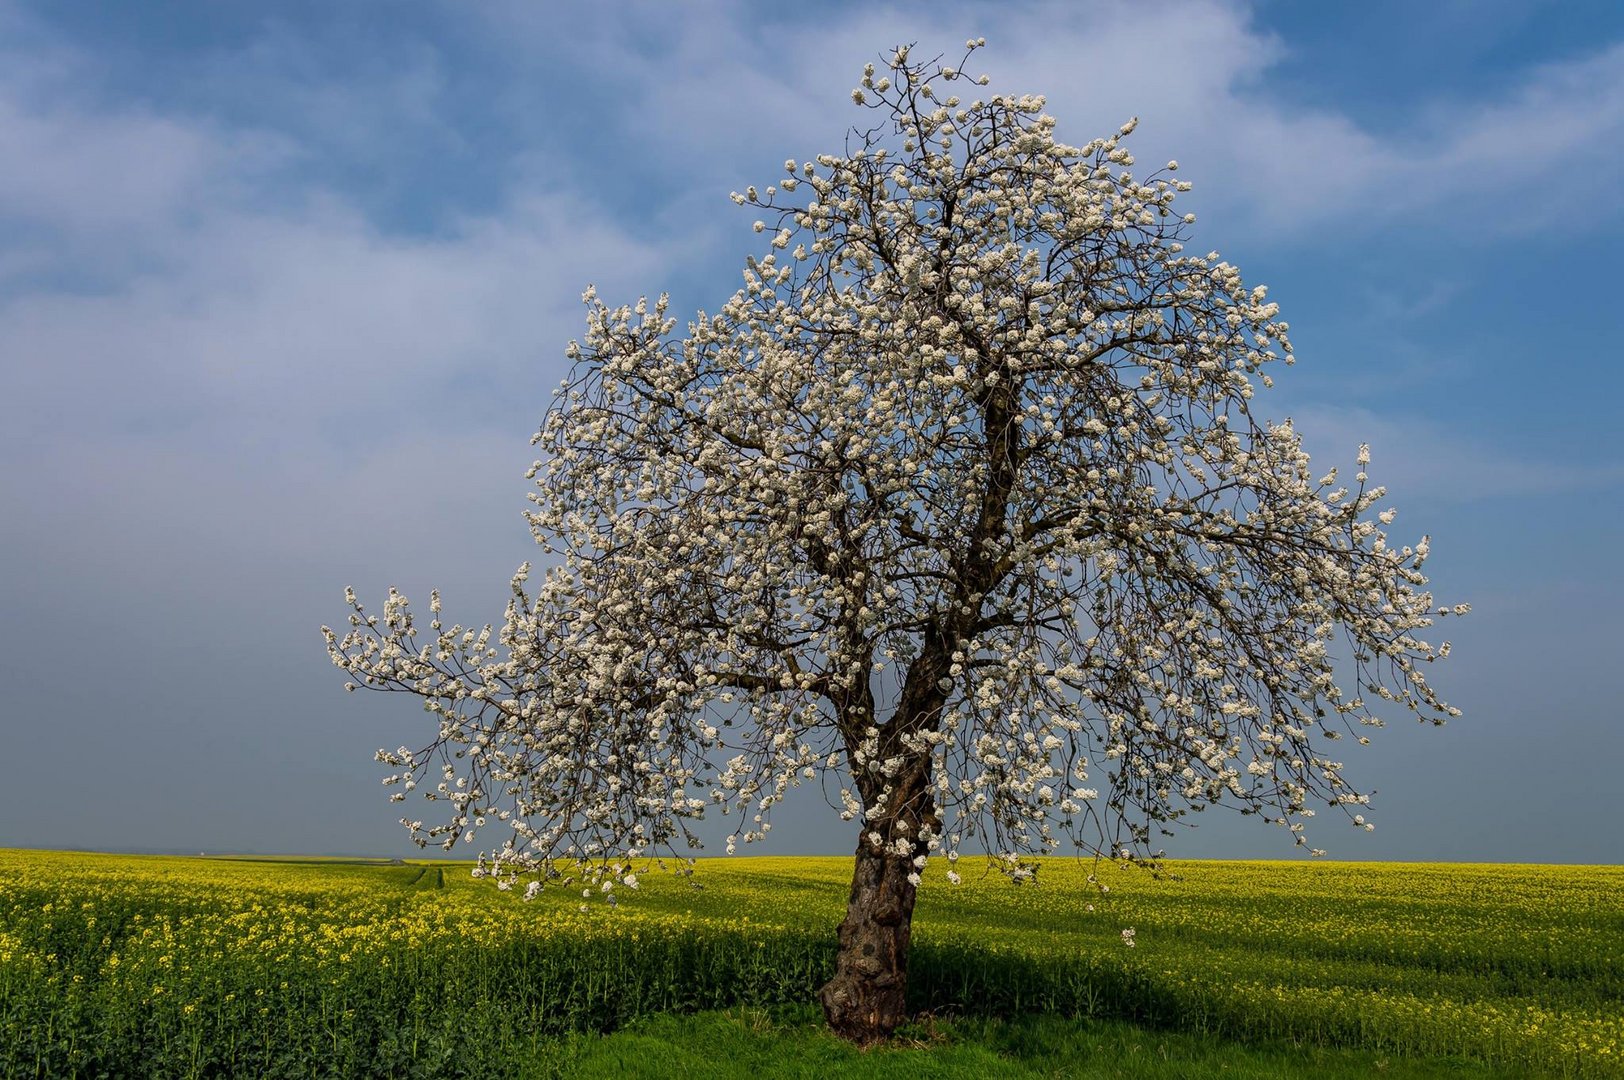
(865, 1001)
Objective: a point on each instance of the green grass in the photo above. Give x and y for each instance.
(791, 1042)
(184, 967)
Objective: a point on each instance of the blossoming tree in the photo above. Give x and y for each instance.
(961, 499)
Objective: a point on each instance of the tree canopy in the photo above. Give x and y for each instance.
(963, 499)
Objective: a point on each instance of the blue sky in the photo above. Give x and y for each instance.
(284, 290)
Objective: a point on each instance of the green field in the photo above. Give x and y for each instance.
(130, 965)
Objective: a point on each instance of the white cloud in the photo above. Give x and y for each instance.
(98, 174)
(732, 95)
(76, 170)
(297, 320)
(211, 366)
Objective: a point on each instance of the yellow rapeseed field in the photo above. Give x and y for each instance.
(189, 967)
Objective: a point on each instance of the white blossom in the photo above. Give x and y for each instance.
(967, 491)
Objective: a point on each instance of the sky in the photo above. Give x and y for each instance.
(285, 289)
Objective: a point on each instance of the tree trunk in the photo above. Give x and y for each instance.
(864, 1002)
(867, 999)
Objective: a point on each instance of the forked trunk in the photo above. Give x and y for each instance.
(864, 1002)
